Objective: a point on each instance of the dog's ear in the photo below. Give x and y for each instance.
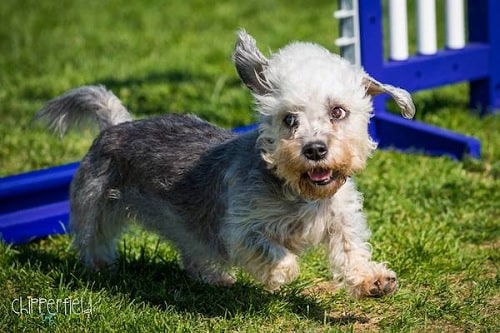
(401, 96)
(250, 63)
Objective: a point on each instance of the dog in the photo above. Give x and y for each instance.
(253, 201)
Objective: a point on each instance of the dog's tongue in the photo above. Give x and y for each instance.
(319, 175)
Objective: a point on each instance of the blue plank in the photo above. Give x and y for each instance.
(445, 67)
(31, 223)
(35, 188)
(394, 132)
(35, 204)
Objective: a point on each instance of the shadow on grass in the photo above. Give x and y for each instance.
(168, 77)
(172, 77)
(162, 284)
(220, 99)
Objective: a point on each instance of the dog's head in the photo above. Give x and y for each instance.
(314, 111)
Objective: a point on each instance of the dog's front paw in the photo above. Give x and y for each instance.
(284, 272)
(376, 281)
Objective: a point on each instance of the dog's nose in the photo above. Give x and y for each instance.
(315, 151)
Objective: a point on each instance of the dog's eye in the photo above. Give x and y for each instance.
(290, 120)
(337, 113)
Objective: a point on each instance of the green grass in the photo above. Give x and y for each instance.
(433, 219)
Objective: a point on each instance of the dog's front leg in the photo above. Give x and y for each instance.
(268, 262)
(350, 258)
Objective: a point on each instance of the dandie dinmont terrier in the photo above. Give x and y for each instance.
(253, 201)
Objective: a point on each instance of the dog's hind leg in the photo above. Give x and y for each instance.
(96, 221)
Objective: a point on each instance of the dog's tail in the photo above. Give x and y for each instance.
(81, 105)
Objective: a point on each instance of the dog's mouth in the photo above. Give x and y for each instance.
(322, 177)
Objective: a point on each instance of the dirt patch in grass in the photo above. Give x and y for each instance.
(346, 315)
(322, 288)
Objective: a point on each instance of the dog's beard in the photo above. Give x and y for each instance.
(309, 179)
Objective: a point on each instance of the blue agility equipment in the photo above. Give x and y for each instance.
(35, 204)
(475, 63)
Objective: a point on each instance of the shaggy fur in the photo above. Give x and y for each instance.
(254, 201)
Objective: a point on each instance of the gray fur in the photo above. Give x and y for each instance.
(250, 63)
(84, 104)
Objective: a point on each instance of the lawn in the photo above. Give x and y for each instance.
(435, 220)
